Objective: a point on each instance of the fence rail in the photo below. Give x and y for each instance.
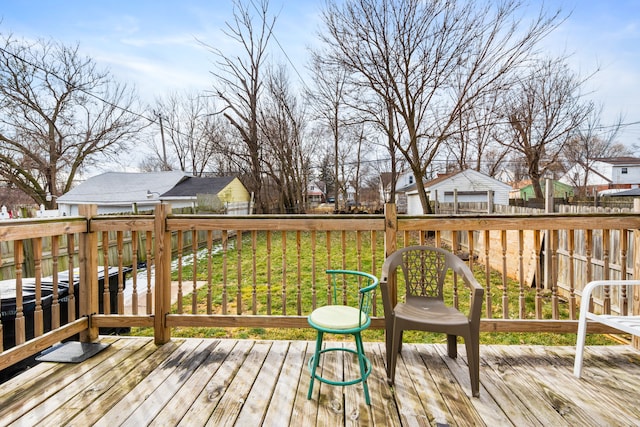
(269, 271)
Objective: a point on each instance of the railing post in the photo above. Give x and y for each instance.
(162, 333)
(88, 264)
(391, 244)
(390, 228)
(548, 262)
(635, 307)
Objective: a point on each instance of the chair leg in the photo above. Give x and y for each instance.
(579, 359)
(393, 357)
(388, 337)
(363, 367)
(316, 361)
(452, 346)
(472, 345)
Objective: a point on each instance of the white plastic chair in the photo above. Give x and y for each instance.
(628, 324)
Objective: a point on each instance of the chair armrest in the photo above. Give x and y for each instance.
(476, 290)
(591, 286)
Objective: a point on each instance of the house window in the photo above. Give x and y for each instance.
(624, 170)
(410, 179)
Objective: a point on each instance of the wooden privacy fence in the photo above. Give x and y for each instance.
(268, 271)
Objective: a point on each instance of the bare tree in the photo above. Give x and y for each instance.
(327, 98)
(241, 80)
(287, 159)
(431, 60)
(58, 114)
(474, 144)
(544, 111)
(592, 142)
(192, 130)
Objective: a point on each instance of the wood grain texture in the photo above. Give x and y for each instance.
(243, 382)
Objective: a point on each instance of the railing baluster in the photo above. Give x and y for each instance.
(624, 299)
(225, 247)
(239, 234)
(150, 262)
(299, 272)
(18, 256)
(134, 272)
(210, 271)
(471, 246)
(314, 295)
(589, 267)
(538, 277)
(374, 267)
(505, 284)
(180, 301)
(71, 304)
(254, 277)
(328, 237)
(343, 248)
(283, 289)
(343, 242)
(268, 272)
(194, 273)
(55, 302)
(606, 242)
(106, 296)
(359, 250)
(487, 275)
(555, 309)
(38, 319)
(120, 240)
(521, 297)
(573, 309)
(454, 242)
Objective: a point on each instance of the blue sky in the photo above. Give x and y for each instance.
(153, 44)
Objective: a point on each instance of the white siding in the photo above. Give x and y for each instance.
(473, 183)
(632, 175)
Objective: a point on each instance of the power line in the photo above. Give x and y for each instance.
(286, 55)
(67, 82)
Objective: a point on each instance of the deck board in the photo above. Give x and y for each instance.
(243, 382)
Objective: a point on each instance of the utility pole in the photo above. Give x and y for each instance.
(165, 166)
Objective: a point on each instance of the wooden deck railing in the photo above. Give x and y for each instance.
(268, 271)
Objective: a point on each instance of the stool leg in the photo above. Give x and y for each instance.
(363, 367)
(316, 360)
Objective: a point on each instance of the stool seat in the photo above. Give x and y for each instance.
(337, 317)
(342, 320)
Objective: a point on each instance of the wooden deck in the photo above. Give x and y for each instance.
(195, 382)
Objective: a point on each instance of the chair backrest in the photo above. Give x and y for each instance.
(365, 293)
(424, 272)
(424, 269)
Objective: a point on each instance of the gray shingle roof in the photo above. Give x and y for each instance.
(193, 185)
(634, 192)
(122, 187)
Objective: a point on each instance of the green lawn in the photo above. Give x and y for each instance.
(347, 250)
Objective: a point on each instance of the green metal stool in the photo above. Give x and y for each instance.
(344, 319)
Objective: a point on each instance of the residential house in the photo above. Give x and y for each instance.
(315, 194)
(465, 186)
(560, 190)
(117, 192)
(605, 175)
(405, 182)
(210, 194)
(384, 186)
